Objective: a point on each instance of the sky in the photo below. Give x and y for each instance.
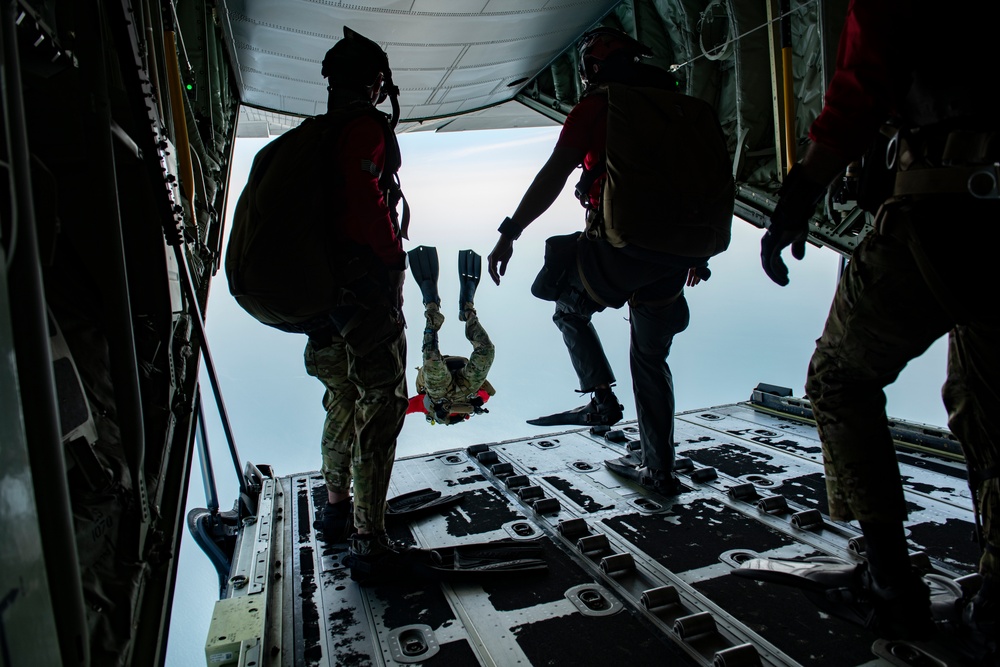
(744, 330)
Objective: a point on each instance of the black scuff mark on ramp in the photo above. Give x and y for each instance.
(693, 535)
(694, 441)
(312, 652)
(481, 511)
(789, 445)
(304, 525)
(421, 603)
(786, 618)
(926, 489)
(808, 490)
(766, 437)
(734, 460)
(522, 592)
(579, 498)
(474, 477)
(455, 653)
(621, 639)
(346, 630)
(952, 542)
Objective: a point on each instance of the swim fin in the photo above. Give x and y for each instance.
(486, 560)
(418, 502)
(470, 266)
(424, 269)
(593, 413)
(847, 591)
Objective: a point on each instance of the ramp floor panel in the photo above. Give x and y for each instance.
(633, 577)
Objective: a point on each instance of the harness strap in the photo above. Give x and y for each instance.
(980, 181)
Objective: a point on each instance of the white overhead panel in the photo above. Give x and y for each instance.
(448, 57)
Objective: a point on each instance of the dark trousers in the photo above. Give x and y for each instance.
(653, 288)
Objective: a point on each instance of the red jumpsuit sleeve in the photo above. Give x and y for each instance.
(366, 215)
(585, 130)
(871, 73)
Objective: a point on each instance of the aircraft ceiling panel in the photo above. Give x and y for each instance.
(448, 57)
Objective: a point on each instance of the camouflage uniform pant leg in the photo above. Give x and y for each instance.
(372, 423)
(972, 396)
(435, 374)
(882, 316)
(329, 365)
(483, 353)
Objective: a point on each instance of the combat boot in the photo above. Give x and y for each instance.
(374, 559)
(337, 521)
(981, 615)
(660, 481)
(602, 410)
(900, 611)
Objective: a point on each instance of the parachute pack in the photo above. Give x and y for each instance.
(287, 261)
(669, 184)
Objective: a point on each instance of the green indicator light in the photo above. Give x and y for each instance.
(190, 87)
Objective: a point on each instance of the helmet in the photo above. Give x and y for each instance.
(355, 62)
(609, 48)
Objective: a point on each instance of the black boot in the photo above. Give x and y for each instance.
(470, 267)
(337, 522)
(603, 411)
(375, 560)
(660, 481)
(982, 617)
(900, 600)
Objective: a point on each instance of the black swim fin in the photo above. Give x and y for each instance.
(470, 266)
(487, 560)
(424, 269)
(591, 414)
(418, 502)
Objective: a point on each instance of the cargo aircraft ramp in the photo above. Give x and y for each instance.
(633, 577)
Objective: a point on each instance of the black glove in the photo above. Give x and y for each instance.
(797, 200)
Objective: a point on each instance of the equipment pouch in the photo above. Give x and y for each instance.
(560, 258)
(878, 170)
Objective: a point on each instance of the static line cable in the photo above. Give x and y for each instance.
(721, 47)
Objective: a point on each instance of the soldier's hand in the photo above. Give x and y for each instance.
(499, 257)
(789, 226)
(770, 252)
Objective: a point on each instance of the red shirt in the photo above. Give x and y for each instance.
(585, 130)
(417, 402)
(871, 75)
(367, 221)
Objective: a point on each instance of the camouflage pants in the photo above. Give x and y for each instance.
(365, 403)
(905, 288)
(441, 382)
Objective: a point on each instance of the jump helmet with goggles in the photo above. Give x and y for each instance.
(355, 62)
(611, 50)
